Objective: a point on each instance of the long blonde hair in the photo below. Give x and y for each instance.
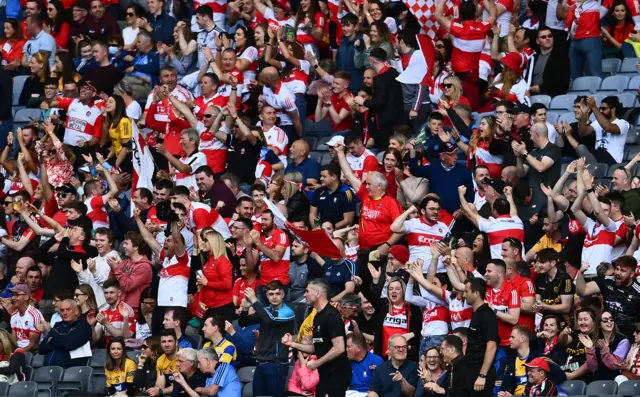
(457, 87)
(216, 242)
(9, 344)
(508, 78)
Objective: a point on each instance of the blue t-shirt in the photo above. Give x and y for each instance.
(362, 372)
(309, 168)
(382, 382)
(225, 377)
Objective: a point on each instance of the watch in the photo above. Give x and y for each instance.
(483, 376)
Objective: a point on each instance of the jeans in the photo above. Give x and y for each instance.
(586, 52)
(270, 379)
(429, 341)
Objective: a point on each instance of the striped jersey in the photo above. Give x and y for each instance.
(498, 229)
(468, 43)
(174, 279)
(23, 326)
(420, 234)
(598, 244)
(502, 300)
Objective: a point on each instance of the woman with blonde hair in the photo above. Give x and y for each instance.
(510, 85)
(33, 89)
(86, 300)
(452, 94)
(216, 278)
(14, 356)
(288, 196)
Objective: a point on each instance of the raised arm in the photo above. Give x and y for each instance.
(444, 22)
(146, 234)
(347, 172)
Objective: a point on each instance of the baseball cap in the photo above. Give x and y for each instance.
(335, 140)
(497, 184)
(515, 61)
(447, 148)
(21, 289)
(400, 252)
(538, 363)
(86, 83)
(67, 188)
(521, 108)
(82, 4)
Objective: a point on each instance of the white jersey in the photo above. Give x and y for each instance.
(207, 39)
(174, 280)
(598, 244)
(24, 326)
(500, 228)
(282, 100)
(420, 235)
(277, 139)
(435, 318)
(195, 160)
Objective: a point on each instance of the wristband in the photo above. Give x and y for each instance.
(483, 376)
(589, 190)
(526, 154)
(389, 245)
(161, 392)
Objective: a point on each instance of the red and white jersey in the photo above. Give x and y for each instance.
(269, 269)
(498, 229)
(188, 179)
(620, 249)
(468, 43)
(484, 157)
(219, 8)
(96, 211)
(174, 279)
(162, 107)
(351, 252)
(303, 37)
(259, 18)
(277, 23)
(598, 244)
(224, 91)
(298, 80)
(251, 55)
(201, 104)
(213, 149)
(583, 20)
(83, 121)
(575, 227)
(460, 311)
(282, 100)
(16, 182)
(264, 171)
(277, 141)
(116, 318)
(479, 199)
(420, 235)
(362, 164)
(486, 62)
(201, 216)
(503, 300)
(435, 318)
(504, 19)
(395, 322)
(24, 326)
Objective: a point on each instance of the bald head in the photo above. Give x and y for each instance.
(269, 75)
(23, 265)
(464, 255)
(540, 129)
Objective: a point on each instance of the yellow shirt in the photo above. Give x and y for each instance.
(226, 351)
(306, 329)
(118, 379)
(122, 132)
(521, 377)
(547, 242)
(167, 367)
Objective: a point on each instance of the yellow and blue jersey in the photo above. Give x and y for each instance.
(167, 367)
(117, 379)
(226, 351)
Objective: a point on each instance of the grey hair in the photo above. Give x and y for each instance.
(378, 179)
(228, 176)
(189, 354)
(192, 134)
(541, 128)
(396, 336)
(208, 353)
(320, 284)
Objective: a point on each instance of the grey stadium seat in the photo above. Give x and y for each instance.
(569, 117)
(610, 66)
(627, 100)
(634, 84)
(322, 144)
(317, 156)
(586, 83)
(99, 358)
(553, 116)
(98, 383)
(600, 387)
(630, 152)
(134, 354)
(26, 116)
(628, 67)
(4, 389)
(76, 376)
(574, 387)
(24, 389)
(245, 374)
(629, 388)
(563, 102)
(598, 170)
(247, 390)
(312, 141)
(326, 159)
(615, 83)
(18, 84)
(633, 137)
(543, 99)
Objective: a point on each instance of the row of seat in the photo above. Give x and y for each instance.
(614, 84)
(614, 66)
(601, 388)
(565, 102)
(53, 380)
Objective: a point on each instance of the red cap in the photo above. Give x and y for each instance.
(515, 61)
(400, 252)
(538, 363)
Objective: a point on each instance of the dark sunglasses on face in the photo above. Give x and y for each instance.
(606, 320)
(130, 14)
(62, 195)
(207, 116)
(547, 36)
(447, 85)
(439, 46)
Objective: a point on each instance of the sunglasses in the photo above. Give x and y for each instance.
(606, 320)
(439, 46)
(6, 203)
(62, 195)
(546, 36)
(130, 14)
(447, 85)
(77, 295)
(207, 116)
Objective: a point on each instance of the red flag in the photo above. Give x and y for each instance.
(318, 241)
(420, 68)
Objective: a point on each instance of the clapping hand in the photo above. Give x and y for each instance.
(586, 341)
(77, 267)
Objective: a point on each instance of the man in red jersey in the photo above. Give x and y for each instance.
(468, 43)
(503, 299)
(526, 290)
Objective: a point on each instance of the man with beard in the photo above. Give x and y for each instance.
(621, 295)
(166, 365)
(304, 267)
(98, 270)
(244, 209)
(34, 281)
(214, 194)
(199, 215)
(161, 192)
(274, 247)
(118, 319)
(58, 201)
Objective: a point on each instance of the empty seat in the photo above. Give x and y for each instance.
(610, 66)
(28, 356)
(600, 387)
(568, 117)
(586, 83)
(24, 389)
(598, 170)
(37, 361)
(25, 116)
(600, 96)
(134, 354)
(543, 99)
(629, 388)
(198, 341)
(630, 152)
(99, 358)
(627, 100)
(615, 83)
(245, 374)
(48, 378)
(634, 83)
(563, 102)
(380, 156)
(574, 387)
(98, 383)
(322, 144)
(247, 390)
(312, 141)
(81, 375)
(633, 136)
(317, 156)
(552, 116)
(28, 374)
(18, 84)
(326, 159)
(628, 67)
(4, 389)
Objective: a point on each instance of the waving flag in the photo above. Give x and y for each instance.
(143, 165)
(424, 11)
(420, 68)
(317, 240)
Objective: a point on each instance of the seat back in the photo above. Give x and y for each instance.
(198, 341)
(18, 85)
(627, 100)
(610, 66)
(48, 374)
(574, 387)
(24, 389)
(586, 83)
(28, 374)
(78, 374)
(616, 83)
(247, 390)
(568, 117)
(37, 361)
(629, 388)
(134, 354)
(628, 66)
(563, 102)
(245, 374)
(543, 99)
(99, 358)
(600, 387)
(98, 383)
(4, 389)
(634, 83)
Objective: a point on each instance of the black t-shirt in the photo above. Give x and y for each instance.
(589, 141)
(196, 380)
(243, 158)
(551, 175)
(482, 329)
(328, 324)
(551, 290)
(624, 303)
(577, 355)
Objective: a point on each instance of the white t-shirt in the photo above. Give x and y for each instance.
(134, 111)
(129, 35)
(24, 326)
(614, 144)
(195, 161)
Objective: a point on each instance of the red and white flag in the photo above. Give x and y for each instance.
(143, 165)
(317, 240)
(420, 67)
(424, 11)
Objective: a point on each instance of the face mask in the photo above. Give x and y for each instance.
(113, 50)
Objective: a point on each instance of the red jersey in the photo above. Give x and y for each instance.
(11, 50)
(526, 289)
(115, 318)
(583, 20)
(97, 212)
(338, 104)
(503, 300)
(395, 322)
(240, 285)
(468, 42)
(269, 269)
(219, 288)
(302, 36)
(376, 218)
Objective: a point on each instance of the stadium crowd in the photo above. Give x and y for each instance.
(319, 197)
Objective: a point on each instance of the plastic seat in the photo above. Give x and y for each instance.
(568, 117)
(610, 66)
(563, 102)
(613, 169)
(247, 390)
(628, 67)
(28, 374)
(99, 358)
(4, 389)
(600, 387)
(380, 156)
(326, 159)
(633, 136)
(543, 99)
(18, 85)
(312, 141)
(598, 170)
(98, 383)
(600, 96)
(317, 156)
(629, 388)
(198, 340)
(586, 83)
(26, 116)
(574, 387)
(134, 354)
(627, 100)
(245, 374)
(37, 361)
(552, 116)
(23, 389)
(634, 84)
(630, 152)
(28, 356)
(81, 375)
(47, 378)
(615, 83)
(322, 144)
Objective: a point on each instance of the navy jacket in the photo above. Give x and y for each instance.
(163, 27)
(344, 62)
(63, 338)
(274, 323)
(444, 182)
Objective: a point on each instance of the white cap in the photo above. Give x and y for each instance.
(335, 140)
